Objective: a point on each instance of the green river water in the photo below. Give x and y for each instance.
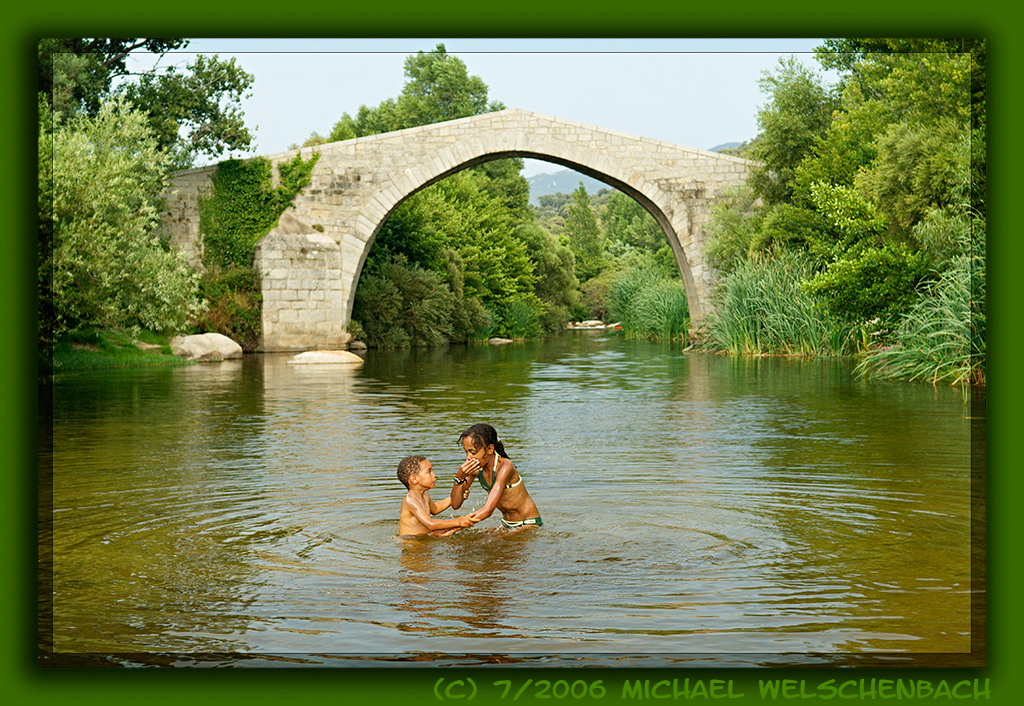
(698, 509)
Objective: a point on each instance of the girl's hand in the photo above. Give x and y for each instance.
(471, 467)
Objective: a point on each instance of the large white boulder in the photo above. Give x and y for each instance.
(206, 347)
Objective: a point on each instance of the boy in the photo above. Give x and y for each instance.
(417, 474)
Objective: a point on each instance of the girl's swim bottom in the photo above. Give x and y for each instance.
(522, 523)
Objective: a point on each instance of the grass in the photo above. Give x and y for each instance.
(942, 338)
(94, 349)
(522, 319)
(761, 308)
(649, 304)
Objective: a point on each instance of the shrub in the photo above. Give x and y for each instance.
(522, 317)
(873, 286)
(401, 305)
(100, 264)
(942, 337)
(763, 308)
(593, 304)
(233, 306)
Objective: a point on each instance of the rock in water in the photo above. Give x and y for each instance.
(311, 357)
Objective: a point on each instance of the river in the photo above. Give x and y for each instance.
(698, 510)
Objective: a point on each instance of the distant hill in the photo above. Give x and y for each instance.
(725, 146)
(565, 181)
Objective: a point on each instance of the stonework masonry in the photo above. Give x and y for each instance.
(357, 183)
(301, 282)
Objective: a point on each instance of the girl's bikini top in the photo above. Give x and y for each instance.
(486, 486)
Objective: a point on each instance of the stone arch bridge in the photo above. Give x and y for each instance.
(310, 263)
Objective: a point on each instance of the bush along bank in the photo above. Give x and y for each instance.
(860, 230)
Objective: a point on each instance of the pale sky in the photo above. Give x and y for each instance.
(694, 92)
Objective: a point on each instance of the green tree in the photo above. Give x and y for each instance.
(438, 87)
(857, 59)
(101, 265)
(917, 169)
(197, 112)
(191, 113)
(460, 214)
(75, 74)
(732, 229)
(865, 187)
(625, 220)
(554, 269)
(463, 228)
(401, 305)
(799, 111)
(919, 82)
(584, 235)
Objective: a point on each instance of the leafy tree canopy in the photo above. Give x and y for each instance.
(196, 112)
(75, 74)
(584, 235)
(848, 174)
(191, 112)
(798, 113)
(438, 88)
(100, 263)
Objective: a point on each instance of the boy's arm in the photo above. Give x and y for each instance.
(422, 515)
(439, 507)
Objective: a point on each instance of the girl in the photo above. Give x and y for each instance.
(486, 458)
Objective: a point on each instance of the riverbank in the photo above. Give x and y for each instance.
(109, 349)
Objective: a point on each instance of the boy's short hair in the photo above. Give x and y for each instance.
(407, 466)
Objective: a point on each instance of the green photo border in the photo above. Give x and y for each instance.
(25, 22)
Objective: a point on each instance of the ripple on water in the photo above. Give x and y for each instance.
(692, 505)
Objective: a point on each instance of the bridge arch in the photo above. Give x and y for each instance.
(320, 246)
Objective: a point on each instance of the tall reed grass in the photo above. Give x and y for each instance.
(942, 338)
(761, 308)
(522, 318)
(649, 304)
